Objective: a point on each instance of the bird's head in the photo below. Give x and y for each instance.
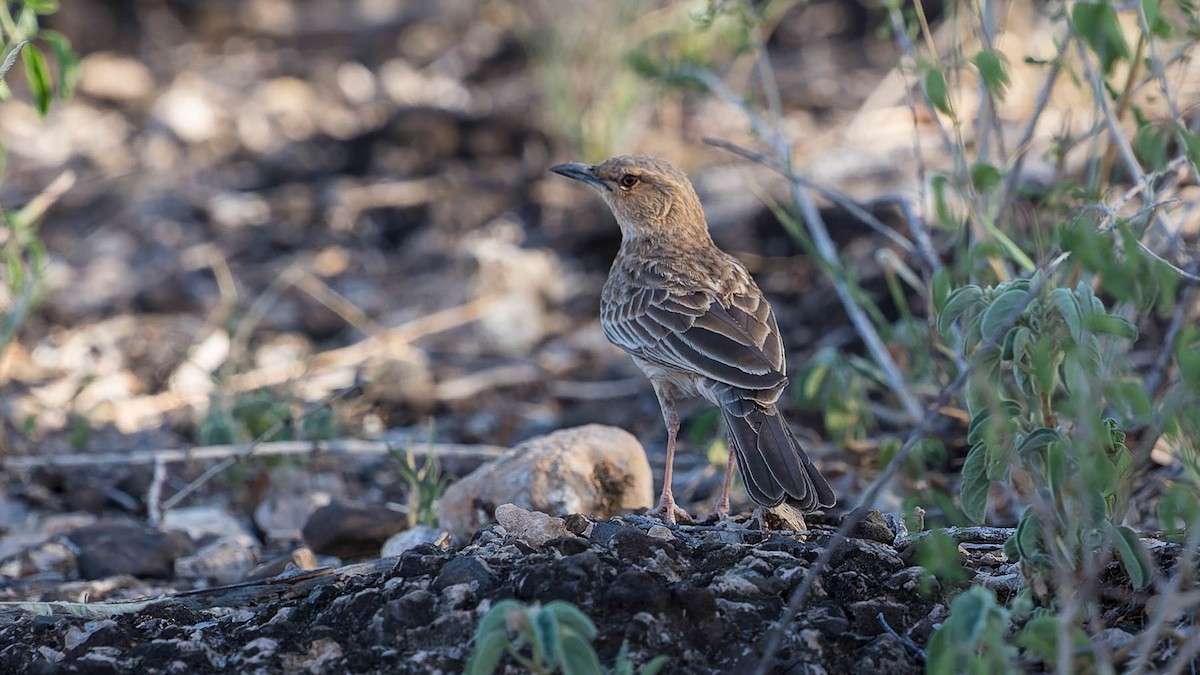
(650, 196)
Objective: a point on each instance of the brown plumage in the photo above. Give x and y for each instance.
(695, 322)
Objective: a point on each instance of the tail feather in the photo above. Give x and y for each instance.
(773, 465)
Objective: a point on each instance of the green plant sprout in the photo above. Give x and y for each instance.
(425, 484)
(551, 638)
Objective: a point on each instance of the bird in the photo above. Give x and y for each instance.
(697, 325)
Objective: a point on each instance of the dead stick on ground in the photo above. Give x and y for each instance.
(344, 446)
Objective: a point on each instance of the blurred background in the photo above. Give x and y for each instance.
(251, 190)
(295, 219)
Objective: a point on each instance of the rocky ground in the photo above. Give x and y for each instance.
(330, 225)
(705, 598)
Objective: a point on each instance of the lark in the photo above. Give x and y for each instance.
(696, 324)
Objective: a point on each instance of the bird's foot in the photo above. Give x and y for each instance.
(669, 511)
(720, 515)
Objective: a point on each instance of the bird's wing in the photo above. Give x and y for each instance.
(737, 345)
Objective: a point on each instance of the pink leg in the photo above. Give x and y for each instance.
(666, 502)
(723, 503)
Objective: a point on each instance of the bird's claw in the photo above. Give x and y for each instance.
(670, 513)
(718, 516)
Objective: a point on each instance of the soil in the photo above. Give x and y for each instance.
(705, 598)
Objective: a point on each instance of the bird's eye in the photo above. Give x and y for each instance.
(628, 181)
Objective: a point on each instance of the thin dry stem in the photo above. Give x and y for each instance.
(800, 594)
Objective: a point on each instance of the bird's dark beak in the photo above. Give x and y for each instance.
(580, 172)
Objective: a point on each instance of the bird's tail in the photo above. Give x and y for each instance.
(773, 465)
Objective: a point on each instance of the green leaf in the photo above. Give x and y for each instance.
(42, 7)
(1187, 355)
(939, 289)
(969, 614)
(975, 484)
(1009, 343)
(1046, 357)
(10, 58)
(992, 71)
(27, 23)
(976, 430)
(486, 655)
(941, 206)
(1021, 349)
(1036, 440)
(958, 302)
(16, 273)
(1192, 142)
(1002, 311)
(1179, 509)
(496, 619)
(1129, 399)
(1057, 467)
(655, 665)
(1068, 308)
(38, 76)
(1011, 550)
(999, 461)
(1151, 145)
(985, 177)
(570, 616)
(1159, 26)
(816, 377)
(1028, 535)
(578, 657)
(1133, 556)
(622, 666)
(1108, 324)
(1040, 636)
(69, 69)
(940, 556)
(547, 639)
(935, 87)
(941, 656)
(1097, 24)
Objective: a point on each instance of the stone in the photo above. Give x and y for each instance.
(886, 654)
(465, 570)
(108, 548)
(224, 560)
(532, 527)
(594, 469)
(350, 530)
(874, 527)
(410, 610)
(299, 559)
(402, 541)
(660, 532)
(49, 557)
(200, 522)
(282, 515)
(116, 77)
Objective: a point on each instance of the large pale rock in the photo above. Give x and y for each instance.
(595, 469)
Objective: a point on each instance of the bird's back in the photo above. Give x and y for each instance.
(653, 292)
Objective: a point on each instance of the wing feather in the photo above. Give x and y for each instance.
(737, 345)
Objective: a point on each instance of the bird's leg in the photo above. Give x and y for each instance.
(723, 503)
(721, 513)
(666, 502)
